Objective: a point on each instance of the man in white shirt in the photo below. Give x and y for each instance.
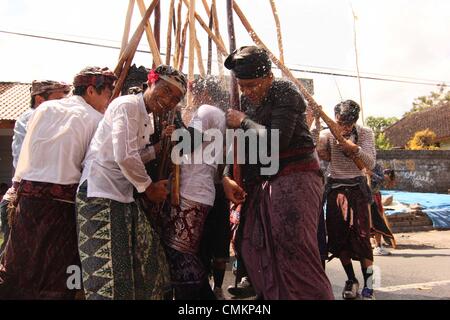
(43, 240)
(40, 91)
(121, 254)
(183, 224)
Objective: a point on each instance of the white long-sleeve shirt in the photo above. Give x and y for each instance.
(57, 138)
(20, 130)
(113, 163)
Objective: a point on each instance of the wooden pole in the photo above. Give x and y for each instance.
(198, 51)
(176, 54)
(278, 25)
(183, 45)
(234, 92)
(205, 5)
(210, 25)
(125, 60)
(357, 65)
(192, 39)
(150, 36)
(217, 32)
(217, 41)
(169, 32)
(157, 30)
(332, 125)
(126, 31)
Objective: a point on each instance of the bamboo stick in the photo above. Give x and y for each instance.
(176, 53)
(157, 25)
(234, 92)
(218, 42)
(217, 32)
(169, 32)
(192, 40)
(157, 31)
(205, 5)
(150, 36)
(125, 60)
(311, 102)
(198, 51)
(278, 25)
(210, 25)
(126, 31)
(135, 39)
(183, 45)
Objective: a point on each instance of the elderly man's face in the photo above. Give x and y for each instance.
(162, 97)
(255, 89)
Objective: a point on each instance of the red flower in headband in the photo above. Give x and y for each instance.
(152, 76)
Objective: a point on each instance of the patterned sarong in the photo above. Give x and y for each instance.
(121, 255)
(42, 243)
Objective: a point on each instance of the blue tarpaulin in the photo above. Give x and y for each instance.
(435, 206)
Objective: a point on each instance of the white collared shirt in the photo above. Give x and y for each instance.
(57, 138)
(113, 163)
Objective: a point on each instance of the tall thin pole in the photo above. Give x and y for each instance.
(357, 63)
(192, 39)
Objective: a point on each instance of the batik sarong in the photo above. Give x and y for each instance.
(182, 232)
(122, 257)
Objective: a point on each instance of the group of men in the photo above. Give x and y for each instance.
(82, 196)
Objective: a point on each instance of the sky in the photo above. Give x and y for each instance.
(396, 39)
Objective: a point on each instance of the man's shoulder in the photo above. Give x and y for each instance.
(364, 130)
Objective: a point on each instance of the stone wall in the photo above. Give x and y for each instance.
(418, 171)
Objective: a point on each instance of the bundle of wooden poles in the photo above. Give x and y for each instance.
(177, 38)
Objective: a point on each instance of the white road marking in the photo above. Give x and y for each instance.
(420, 286)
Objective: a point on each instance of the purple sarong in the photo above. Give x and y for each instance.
(279, 240)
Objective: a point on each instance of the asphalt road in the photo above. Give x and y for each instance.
(412, 272)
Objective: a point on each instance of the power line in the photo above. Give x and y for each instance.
(437, 83)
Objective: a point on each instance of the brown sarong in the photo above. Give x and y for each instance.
(348, 223)
(279, 241)
(42, 244)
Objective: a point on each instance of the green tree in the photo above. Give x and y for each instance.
(434, 99)
(378, 124)
(382, 142)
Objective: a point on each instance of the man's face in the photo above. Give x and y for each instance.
(162, 97)
(99, 101)
(255, 89)
(55, 95)
(346, 128)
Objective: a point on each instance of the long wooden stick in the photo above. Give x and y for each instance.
(217, 33)
(218, 42)
(234, 92)
(157, 31)
(126, 31)
(192, 40)
(278, 25)
(198, 52)
(169, 32)
(150, 36)
(210, 25)
(183, 45)
(125, 60)
(332, 125)
(176, 53)
(205, 5)
(135, 39)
